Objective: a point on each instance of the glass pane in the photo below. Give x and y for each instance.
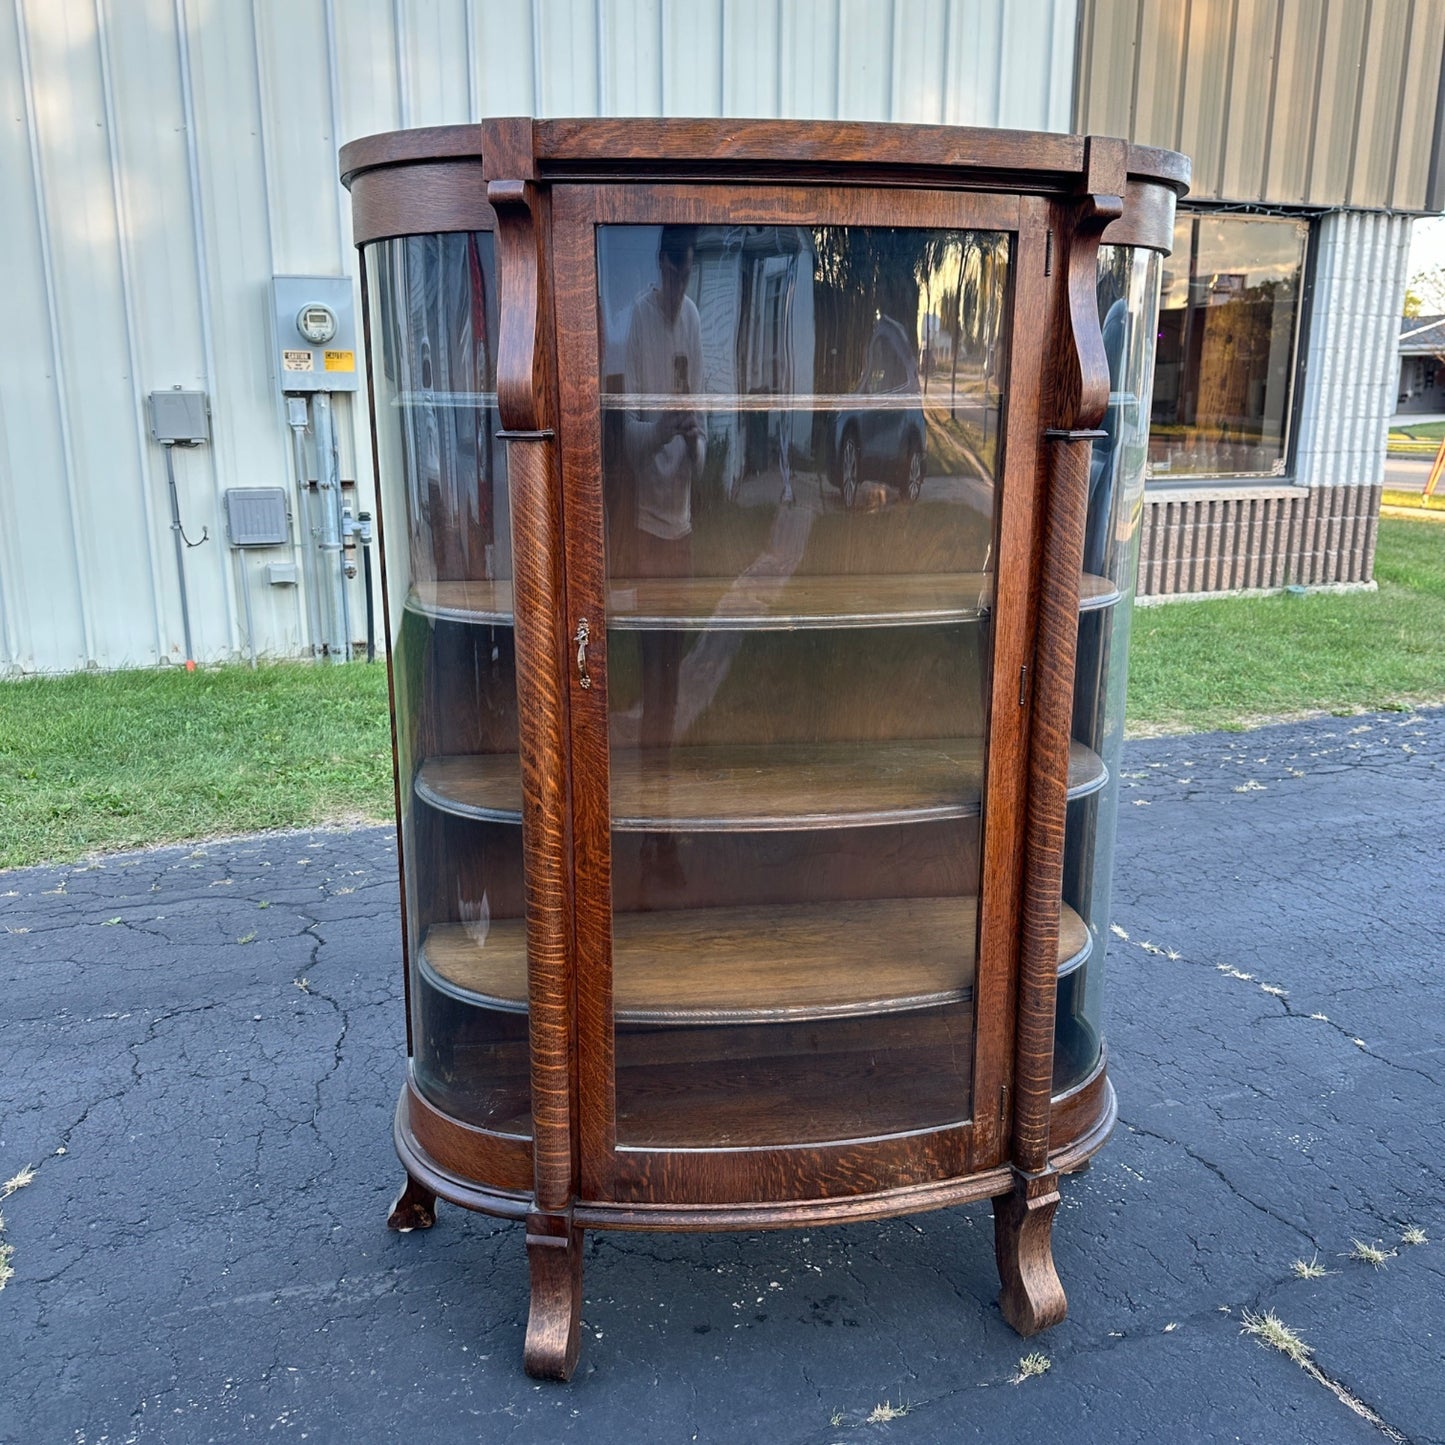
(448, 565)
(800, 454)
(1227, 326)
(1128, 301)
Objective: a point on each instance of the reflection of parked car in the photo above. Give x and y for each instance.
(883, 437)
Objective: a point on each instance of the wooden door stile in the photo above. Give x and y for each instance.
(575, 260)
(1013, 626)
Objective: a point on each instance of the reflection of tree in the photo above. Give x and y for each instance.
(864, 273)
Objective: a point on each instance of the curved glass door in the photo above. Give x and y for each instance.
(800, 458)
(1128, 291)
(448, 564)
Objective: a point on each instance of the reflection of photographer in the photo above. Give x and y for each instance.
(665, 447)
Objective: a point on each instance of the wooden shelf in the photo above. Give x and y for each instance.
(1096, 593)
(795, 402)
(785, 604)
(767, 964)
(486, 604)
(754, 787)
(756, 603)
(1076, 943)
(913, 1072)
(824, 1081)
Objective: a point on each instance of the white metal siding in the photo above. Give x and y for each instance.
(162, 159)
(1352, 366)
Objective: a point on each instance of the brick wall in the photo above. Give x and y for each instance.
(1220, 539)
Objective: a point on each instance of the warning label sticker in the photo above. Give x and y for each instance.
(298, 361)
(341, 361)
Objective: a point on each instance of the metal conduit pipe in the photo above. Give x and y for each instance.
(328, 482)
(298, 419)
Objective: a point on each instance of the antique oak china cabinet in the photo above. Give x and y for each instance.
(759, 506)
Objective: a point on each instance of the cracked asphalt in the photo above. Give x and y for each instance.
(200, 1054)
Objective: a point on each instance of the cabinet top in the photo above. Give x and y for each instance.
(854, 151)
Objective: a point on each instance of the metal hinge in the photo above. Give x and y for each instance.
(1048, 253)
(1024, 685)
(1003, 1106)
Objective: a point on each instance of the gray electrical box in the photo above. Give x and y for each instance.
(257, 517)
(313, 333)
(181, 418)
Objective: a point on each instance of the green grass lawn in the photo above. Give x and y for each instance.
(1418, 439)
(101, 761)
(1239, 660)
(1419, 431)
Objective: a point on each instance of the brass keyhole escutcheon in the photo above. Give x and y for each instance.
(583, 637)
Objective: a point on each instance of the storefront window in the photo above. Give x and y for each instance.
(1228, 324)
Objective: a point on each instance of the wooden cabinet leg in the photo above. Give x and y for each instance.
(1032, 1298)
(414, 1208)
(554, 1259)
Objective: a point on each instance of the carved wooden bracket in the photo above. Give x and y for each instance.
(1082, 380)
(521, 390)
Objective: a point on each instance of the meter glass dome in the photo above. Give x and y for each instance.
(317, 324)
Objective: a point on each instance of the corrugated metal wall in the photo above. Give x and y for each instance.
(1296, 102)
(1352, 366)
(167, 157)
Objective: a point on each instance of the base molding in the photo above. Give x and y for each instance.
(1083, 1119)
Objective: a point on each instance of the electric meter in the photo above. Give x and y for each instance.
(316, 323)
(313, 334)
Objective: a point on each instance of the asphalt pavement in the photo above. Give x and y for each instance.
(200, 1054)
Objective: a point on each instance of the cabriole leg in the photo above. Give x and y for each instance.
(414, 1208)
(1032, 1298)
(554, 1259)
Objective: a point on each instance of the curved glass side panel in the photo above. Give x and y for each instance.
(800, 461)
(432, 336)
(1128, 312)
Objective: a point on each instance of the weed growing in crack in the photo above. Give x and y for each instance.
(886, 1412)
(16, 1181)
(836, 1418)
(7, 1253)
(1414, 1235)
(1270, 1330)
(1311, 1269)
(1370, 1254)
(1030, 1365)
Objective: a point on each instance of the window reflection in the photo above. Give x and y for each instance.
(865, 359)
(1228, 322)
